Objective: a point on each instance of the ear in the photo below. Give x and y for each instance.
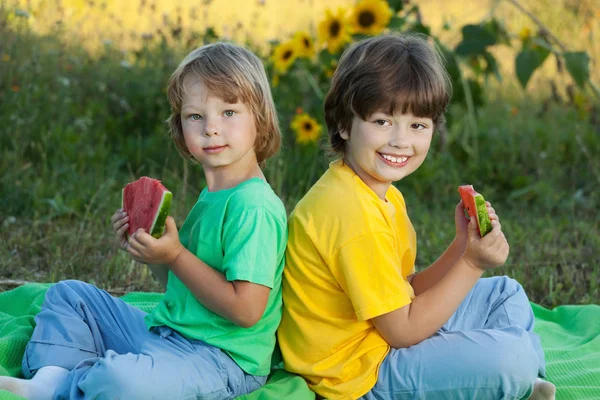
(344, 134)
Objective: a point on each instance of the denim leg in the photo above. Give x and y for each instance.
(494, 303)
(79, 321)
(168, 367)
(477, 364)
(486, 350)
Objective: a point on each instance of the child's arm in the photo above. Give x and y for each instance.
(429, 310)
(240, 302)
(120, 223)
(436, 271)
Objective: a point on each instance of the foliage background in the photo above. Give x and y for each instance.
(82, 110)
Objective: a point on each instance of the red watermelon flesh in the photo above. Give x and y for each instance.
(475, 205)
(147, 204)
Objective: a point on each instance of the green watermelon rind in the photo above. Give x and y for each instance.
(483, 219)
(159, 223)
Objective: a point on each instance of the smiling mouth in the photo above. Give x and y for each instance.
(214, 149)
(397, 160)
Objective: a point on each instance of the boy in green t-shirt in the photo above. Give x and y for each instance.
(213, 334)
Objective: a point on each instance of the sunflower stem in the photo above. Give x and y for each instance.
(313, 83)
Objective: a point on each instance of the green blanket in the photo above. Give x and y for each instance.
(570, 337)
(18, 307)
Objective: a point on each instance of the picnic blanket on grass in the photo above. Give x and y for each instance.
(570, 338)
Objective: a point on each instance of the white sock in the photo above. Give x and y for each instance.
(41, 387)
(543, 390)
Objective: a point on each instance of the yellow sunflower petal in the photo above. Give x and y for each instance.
(284, 55)
(334, 30)
(370, 17)
(305, 44)
(307, 129)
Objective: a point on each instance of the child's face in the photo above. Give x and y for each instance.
(386, 148)
(218, 134)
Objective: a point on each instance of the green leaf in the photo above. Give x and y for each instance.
(396, 23)
(492, 66)
(578, 65)
(421, 29)
(475, 40)
(527, 61)
(498, 30)
(396, 5)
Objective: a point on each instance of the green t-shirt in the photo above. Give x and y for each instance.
(242, 233)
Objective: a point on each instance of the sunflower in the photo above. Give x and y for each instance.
(306, 128)
(525, 33)
(333, 30)
(305, 44)
(370, 17)
(284, 55)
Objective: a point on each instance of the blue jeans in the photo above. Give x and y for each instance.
(486, 350)
(111, 354)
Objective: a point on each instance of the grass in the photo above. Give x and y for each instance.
(76, 127)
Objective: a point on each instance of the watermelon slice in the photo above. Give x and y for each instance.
(475, 206)
(147, 203)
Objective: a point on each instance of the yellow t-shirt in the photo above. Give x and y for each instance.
(348, 259)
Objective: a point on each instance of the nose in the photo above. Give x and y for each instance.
(210, 129)
(399, 137)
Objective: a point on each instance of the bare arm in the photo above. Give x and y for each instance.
(240, 302)
(429, 310)
(436, 271)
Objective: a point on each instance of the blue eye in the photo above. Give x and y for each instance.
(229, 113)
(196, 117)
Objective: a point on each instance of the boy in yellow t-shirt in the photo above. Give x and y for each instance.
(357, 321)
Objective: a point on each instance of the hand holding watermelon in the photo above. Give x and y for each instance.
(146, 248)
(488, 252)
(120, 224)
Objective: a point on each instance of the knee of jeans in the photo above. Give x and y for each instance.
(112, 379)
(515, 364)
(509, 285)
(63, 287)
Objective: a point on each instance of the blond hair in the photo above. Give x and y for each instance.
(235, 74)
(392, 73)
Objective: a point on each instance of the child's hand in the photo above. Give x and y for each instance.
(461, 221)
(120, 223)
(150, 250)
(486, 252)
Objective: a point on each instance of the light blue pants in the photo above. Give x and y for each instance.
(111, 354)
(487, 350)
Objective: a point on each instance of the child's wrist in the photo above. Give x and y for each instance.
(175, 256)
(472, 264)
(460, 243)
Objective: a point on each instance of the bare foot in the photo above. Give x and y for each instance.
(543, 390)
(41, 387)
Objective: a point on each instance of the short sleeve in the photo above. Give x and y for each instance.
(253, 241)
(369, 270)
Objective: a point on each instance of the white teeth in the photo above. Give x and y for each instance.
(394, 159)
